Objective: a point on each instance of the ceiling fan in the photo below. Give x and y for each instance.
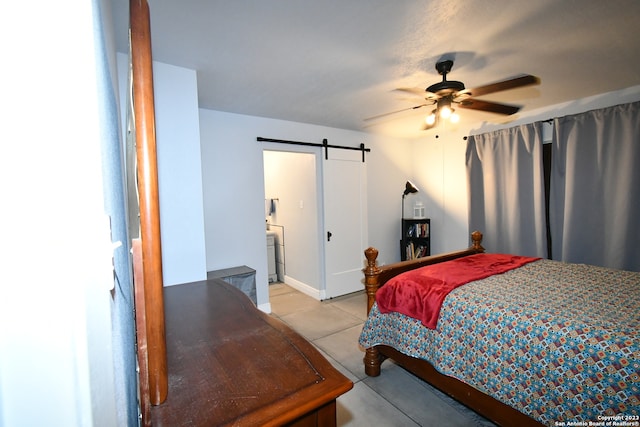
(447, 93)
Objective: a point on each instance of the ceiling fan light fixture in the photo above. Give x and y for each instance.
(445, 112)
(455, 118)
(431, 118)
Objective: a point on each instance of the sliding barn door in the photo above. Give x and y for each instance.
(345, 221)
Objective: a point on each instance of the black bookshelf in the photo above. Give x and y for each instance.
(416, 238)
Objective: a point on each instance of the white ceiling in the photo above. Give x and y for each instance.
(337, 62)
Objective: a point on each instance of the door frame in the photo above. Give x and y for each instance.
(318, 294)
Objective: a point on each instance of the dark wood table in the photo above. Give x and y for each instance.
(231, 364)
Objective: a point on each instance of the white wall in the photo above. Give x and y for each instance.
(56, 361)
(233, 185)
(439, 170)
(179, 173)
(389, 167)
(233, 194)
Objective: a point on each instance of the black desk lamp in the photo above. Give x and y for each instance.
(408, 188)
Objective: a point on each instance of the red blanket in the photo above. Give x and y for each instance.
(420, 293)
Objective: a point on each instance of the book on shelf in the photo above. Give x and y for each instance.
(412, 251)
(418, 230)
(409, 251)
(420, 252)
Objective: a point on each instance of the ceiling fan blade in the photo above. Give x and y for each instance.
(526, 80)
(379, 116)
(491, 107)
(419, 92)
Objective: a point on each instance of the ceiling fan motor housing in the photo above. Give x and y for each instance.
(445, 87)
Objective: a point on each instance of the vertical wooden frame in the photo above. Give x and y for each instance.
(147, 172)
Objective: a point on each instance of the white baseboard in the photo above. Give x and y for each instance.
(304, 288)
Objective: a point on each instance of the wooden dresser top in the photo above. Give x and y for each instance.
(231, 364)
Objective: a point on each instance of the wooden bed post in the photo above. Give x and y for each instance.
(371, 272)
(476, 238)
(371, 276)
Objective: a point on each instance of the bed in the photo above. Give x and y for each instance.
(541, 343)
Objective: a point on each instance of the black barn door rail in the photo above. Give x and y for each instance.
(325, 144)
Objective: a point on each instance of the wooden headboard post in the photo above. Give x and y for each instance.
(371, 279)
(476, 239)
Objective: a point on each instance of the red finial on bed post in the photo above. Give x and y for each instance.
(476, 238)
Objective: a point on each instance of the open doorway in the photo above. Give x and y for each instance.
(318, 203)
(292, 214)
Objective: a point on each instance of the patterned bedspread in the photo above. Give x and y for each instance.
(557, 341)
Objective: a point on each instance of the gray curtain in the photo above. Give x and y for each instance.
(506, 190)
(595, 188)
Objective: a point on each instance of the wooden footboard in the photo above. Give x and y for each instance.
(375, 277)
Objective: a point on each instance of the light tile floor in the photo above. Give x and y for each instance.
(396, 397)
